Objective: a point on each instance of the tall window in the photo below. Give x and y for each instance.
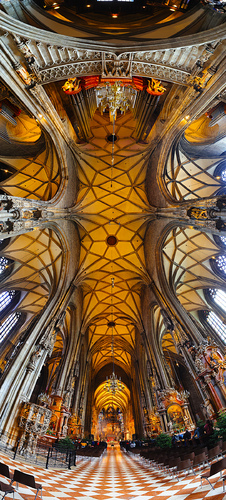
(216, 297)
(7, 325)
(217, 325)
(219, 297)
(223, 239)
(5, 299)
(223, 175)
(3, 264)
(6, 265)
(221, 263)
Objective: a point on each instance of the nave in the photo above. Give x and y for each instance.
(117, 475)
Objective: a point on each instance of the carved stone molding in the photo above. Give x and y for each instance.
(56, 62)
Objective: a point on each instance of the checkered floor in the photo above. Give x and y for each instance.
(116, 475)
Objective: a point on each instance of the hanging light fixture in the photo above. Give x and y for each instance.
(116, 96)
(113, 384)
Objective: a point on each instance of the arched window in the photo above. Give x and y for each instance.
(6, 298)
(6, 171)
(217, 324)
(216, 297)
(3, 264)
(220, 171)
(218, 264)
(7, 325)
(219, 297)
(221, 263)
(4, 243)
(223, 175)
(223, 239)
(5, 267)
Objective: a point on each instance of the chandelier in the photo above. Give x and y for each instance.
(115, 96)
(113, 384)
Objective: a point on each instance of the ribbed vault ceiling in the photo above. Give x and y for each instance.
(112, 201)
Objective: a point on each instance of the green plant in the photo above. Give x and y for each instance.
(49, 432)
(66, 443)
(200, 424)
(214, 438)
(221, 425)
(164, 441)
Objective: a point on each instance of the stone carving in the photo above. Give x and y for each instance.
(18, 215)
(171, 395)
(211, 213)
(48, 339)
(64, 71)
(34, 420)
(149, 370)
(45, 400)
(208, 409)
(200, 367)
(168, 323)
(160, 71)
(210, 365)
(51, 62)
(34, 358)
(116, 66)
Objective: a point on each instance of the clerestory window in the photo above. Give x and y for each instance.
(218, 264)
(3, 264)
(6, 298)
(7, 325)
(217, 324)
(5, 267)
(216, 298)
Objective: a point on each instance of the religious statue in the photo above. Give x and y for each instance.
(208, 409)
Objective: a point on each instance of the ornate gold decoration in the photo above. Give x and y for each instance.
(72, 86)
(115, 96)
(155, 87)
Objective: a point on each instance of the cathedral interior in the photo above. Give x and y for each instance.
(112, 217)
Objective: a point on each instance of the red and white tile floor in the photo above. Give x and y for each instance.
(116, 475)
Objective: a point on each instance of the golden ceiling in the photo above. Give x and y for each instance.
(112, 202)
